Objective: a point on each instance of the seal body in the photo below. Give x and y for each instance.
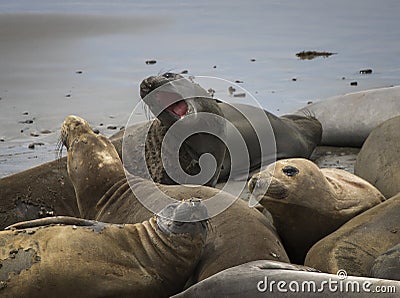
(348, 119)
(237, 235)
(101, 260)
(387, 265)
(355, 245)
(294, 136)
(268, 278)
(308, 203)
(42, 191)
(379, 160)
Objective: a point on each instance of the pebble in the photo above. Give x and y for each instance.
(68, 95)
(211, 92)
(353, 83)
(1, 140)
(25, 113)
(366, 71)
(231, 90)
(294, 79)
(253, 60)
(184, 71)
(238, 82)
(149, 62)
(112, 127)
(96, 131)
(214, 66)
(34, 134)
(309, 102)
(79, 72)
(239, 95)
(45, 131)
(29, 121)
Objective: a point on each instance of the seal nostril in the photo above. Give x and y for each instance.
(252, 184)
(290, 171)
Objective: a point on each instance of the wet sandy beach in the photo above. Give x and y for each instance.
(88, 58)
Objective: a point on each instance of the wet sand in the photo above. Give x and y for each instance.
(88, 59)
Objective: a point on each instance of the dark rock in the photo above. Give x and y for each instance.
(365, 71)
(112, 127)
(353, 83)
(308, 55)
(29, 121)
(149, 62)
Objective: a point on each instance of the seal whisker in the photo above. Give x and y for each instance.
(309, 114)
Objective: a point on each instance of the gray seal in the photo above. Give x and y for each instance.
(348, 119)
(265, 278)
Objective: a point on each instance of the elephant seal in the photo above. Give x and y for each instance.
(239, 234)
(355, 245)
(379, 159)
(294, 135)
(47, 190)
(348, 119)
(308, 203)
(93, 259)
(387, 265)
(262, 278)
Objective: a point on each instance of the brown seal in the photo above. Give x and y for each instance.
(239, 234)
(379, 160)
(355, 245)
(308, 203)
(94, 259)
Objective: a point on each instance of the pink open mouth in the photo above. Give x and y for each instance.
(169, 100)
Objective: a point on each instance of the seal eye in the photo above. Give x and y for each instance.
(168, 75)
(290, 171)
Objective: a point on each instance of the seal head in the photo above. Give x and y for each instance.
(186, 217)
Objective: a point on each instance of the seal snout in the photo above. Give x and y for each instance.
(268, 185)
(259, 183)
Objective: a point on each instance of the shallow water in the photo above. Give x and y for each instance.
(88, 57)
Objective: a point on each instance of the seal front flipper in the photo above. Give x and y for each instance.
(56, 220)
